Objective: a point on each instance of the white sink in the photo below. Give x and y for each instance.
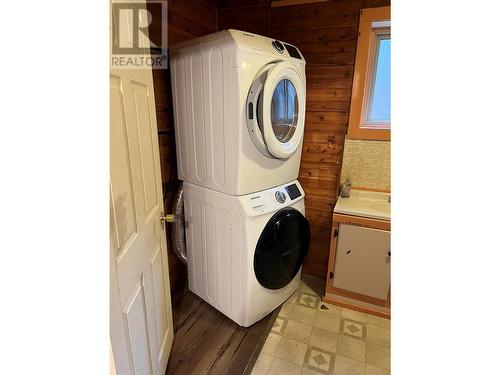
(370, 204)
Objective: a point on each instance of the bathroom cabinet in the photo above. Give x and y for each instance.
(359, 267)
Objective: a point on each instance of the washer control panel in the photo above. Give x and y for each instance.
(278, 46)
(272, 199)
(293, 191)
(280, 196)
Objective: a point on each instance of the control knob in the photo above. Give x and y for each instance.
(280, 196)
(278, 46)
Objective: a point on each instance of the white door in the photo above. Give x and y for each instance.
(276, 110)
(140, 306)
(363, 261)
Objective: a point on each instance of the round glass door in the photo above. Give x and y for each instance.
(281, 248)
(284, 110)
(275, 110)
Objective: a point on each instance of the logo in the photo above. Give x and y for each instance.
(139, 35)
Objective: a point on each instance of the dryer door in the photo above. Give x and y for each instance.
(281, 248)
(276, 110)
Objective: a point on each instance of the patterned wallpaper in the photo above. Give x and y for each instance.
(367, 163)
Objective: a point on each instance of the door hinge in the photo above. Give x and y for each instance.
(331, 275)
(335, 233)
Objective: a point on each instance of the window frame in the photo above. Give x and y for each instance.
(372, 22)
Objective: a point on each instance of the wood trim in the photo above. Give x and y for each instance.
(362, 221)
(329, 298)
(285, 3)
(358, 296)
(370, 189)
(375, 14)
(362, 69)
(333, 252)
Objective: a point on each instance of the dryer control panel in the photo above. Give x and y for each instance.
(272, 199)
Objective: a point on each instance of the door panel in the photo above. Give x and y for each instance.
(281, 248)
(146, 137)
(135, 312)
(123, 193)
(362, 262)
(141, 312)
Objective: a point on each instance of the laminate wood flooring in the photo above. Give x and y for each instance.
(207, 342)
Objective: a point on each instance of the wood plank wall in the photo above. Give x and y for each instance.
(326, 33)
(187, 19)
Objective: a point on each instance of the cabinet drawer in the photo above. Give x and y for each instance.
(362, 261)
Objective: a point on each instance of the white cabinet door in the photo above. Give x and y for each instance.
(362, 261)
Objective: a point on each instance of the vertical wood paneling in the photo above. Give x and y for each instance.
(253, 18)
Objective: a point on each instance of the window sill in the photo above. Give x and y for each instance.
(370, 134)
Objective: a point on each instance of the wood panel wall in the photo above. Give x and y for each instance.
(326, 33)
(187, 19)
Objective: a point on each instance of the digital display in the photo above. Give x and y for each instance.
(293, 191)
(293, 51)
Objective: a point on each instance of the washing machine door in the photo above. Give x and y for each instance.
(276, 110)
(281, 248)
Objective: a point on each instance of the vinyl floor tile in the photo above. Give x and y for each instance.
(354, 315)
(374, 370)
(327, 320)
(311, 337)
(262, 365)
(378, 321)
(377, 355)
(291, 351)
(348, 366)
(281, 367)
(298, 331)
(377, 335)
(271, 344)
(351, 348)
(324, 339)
(303, 314)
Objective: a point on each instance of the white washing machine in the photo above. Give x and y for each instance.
(239, 103)
(245, 252)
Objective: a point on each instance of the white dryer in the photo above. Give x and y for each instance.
(245, 252)
(239, 103)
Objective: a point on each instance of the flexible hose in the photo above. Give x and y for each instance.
(178, 233)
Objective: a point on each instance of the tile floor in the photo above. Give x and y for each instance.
(311, 337)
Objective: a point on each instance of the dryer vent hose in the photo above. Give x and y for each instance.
(178, 233)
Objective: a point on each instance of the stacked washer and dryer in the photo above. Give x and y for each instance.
(239, 106)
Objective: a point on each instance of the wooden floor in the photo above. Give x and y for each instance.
(207, 342)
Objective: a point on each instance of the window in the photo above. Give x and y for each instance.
(379, 98)
(370, 114)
